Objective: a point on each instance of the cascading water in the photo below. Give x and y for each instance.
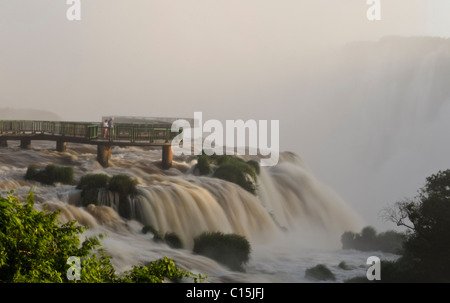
(288, 199)
(384, 110)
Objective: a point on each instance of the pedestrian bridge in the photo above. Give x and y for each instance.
(63, 132)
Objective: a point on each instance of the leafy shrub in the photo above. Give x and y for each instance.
(238, 172)
(319, 272)
(44, 246)
(50, 174)
(157, 237)
(229, 249)
(173, 240)
(170, 238)
(90, 185)
(35, 247)
(426, 244)
(123, 185)
(157, 270)
(203, 165)
(31, 172)
(255, 165)
(368, 239)
(231, 169)
(91, 181)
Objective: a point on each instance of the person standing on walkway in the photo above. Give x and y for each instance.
(105, 128)
(111, 127)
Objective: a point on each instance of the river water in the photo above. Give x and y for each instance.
(293, 223)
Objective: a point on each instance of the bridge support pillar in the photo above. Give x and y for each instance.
(25, 143)
(3, 143)
(103, 154)
(61, 146)
(167, 156)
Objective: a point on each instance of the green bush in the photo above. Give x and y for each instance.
(319, 272)
(170, 238)
(50, 174)
(229, 249)
(58, 174)
(426, 245)
(123, 185)
(31, 172)
(231, 169)
(35, 247)
(157, 270)
(203, 165)
(157, 237)
(90, 185)
(238, 172)
(93, 181)
(255, 165)
(173, 240)
(368, 239)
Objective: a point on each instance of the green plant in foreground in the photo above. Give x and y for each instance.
(157, 270)
(35, 247)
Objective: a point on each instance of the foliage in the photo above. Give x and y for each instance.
(50, 174)
(157, 270)
(427, 218)
(32, 171)
(35, 247)
(319, 272)
(157, 237)
(173, 240)
(369, 240)
(90, 185)
(170, 238)
(239, 173)
(203, 165)
(91, 181)
(255, 165)
(229, 249)
(231, 169)
(426, 244)
(123, 185)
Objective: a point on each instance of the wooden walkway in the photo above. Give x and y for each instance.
(123, 134)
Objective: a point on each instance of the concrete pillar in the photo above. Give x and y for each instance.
(25, 143)
(167, 156)
(61, 146)
(103, 154)
(3, 143)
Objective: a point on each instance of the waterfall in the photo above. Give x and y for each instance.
(288, 197)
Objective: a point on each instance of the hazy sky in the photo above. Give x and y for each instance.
(170, 58)
(230, 59)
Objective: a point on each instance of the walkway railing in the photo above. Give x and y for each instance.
(127, 132)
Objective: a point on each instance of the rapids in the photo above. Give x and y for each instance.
(292, 222)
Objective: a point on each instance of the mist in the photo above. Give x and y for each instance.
(365, 112)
